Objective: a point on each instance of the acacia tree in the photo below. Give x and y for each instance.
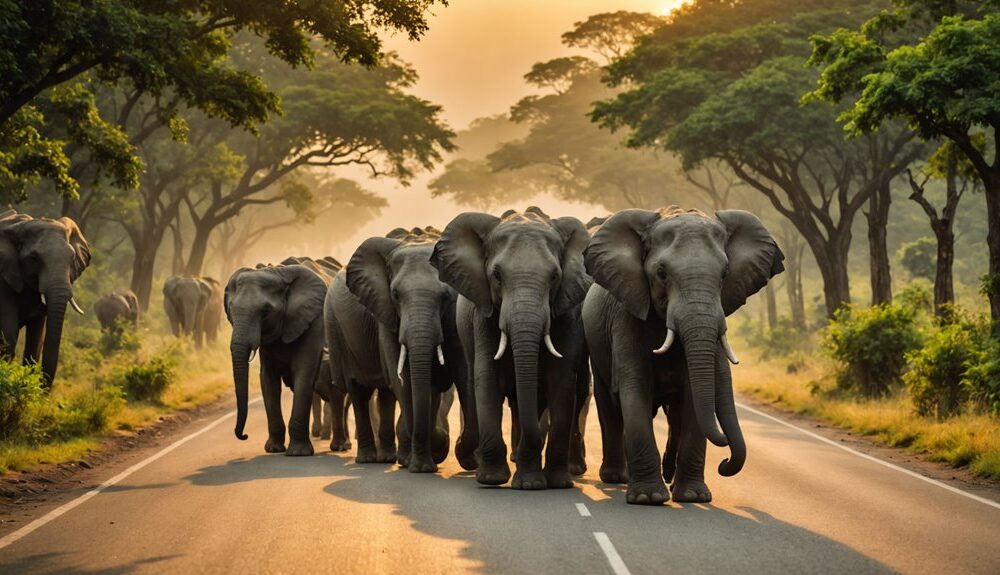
(935, 65)
(710, 87)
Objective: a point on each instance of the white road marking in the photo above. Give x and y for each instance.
(955, 490)
(617, 565)
(58, 511)
(582, 508)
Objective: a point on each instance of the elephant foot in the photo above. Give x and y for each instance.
(340, 445)
(558, 478)
(577, 468)
(385, 457)
(440, 445)
(690, 492)
(366, 455)
(274, 446)
(422, 464)
(493, 474)
(465, 452)
(613, 473)
(529, 480)
(654, 493)
(299, 448)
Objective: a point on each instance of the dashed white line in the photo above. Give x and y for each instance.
(617, 565)
(58, 511)
(913, 474)
(582, 509)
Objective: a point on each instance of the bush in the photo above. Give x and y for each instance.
(919, 258)
(983, 374)
(146, 380)
(936, 376)
(871, 345)
(122, 337)
(20, 390)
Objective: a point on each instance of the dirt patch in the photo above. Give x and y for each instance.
(960, 477)
(24, 495)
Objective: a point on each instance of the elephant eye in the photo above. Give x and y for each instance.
(662, 274)
(395, 293)
(496, 273)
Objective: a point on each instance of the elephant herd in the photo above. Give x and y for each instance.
(521, 309)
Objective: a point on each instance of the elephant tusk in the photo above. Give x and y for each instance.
(402, 360)
(253, 354)
(667, 342)
(503, 345)
(729, 351)
(551, 348)
(76, 306)
(440, 355)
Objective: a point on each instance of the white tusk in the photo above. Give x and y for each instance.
(76, 306)
(253, 354)
(729, 351)
(440, 355)
(667, 342)
(503, 346)
(551, 348)
(402, 360)
(43, 298)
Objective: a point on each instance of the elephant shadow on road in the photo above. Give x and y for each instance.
(52, 563)
(272, 466)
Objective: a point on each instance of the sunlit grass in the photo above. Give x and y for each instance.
(17, 456)
(971, 440)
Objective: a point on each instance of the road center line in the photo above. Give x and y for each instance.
(58, 511)
(617, 565)
(955, 490)
(582, 509)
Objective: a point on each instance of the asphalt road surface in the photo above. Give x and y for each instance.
(208, 503)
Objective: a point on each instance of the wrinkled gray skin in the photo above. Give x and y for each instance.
(39, 261)
(359, 365)
(277, 310)
(521, 275)
(683, 272)
(194, 307)
(115, 307)
(329, 409)
(393, 278)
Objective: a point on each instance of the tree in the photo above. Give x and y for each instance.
(611, 34)
(935, 65)
(713, 86)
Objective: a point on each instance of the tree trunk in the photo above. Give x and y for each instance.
(793, 283)
(199, 247)
(878, 221)
(772, 307)
(143, 262)
(992, 285)
(944, 286)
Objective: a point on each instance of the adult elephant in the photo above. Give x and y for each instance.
(394, 280)
(329, 408)
(522, 279)
(39, 261)
(656, 329)
(194, 307)
(277, 310)
(115, 307)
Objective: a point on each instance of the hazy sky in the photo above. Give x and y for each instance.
(471, 61)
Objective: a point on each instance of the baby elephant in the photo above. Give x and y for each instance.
(115, 307)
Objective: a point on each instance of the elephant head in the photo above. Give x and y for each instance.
(184, 300)
(41, 258)
(267, 305)
(524, 267)
(691, 271)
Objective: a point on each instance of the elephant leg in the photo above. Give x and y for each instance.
(317, 414)
(645, 484)
(673, 413)
(560, 397)
(493, 468)
(404, 431)
(609, 414)
(34, 336)
(441, 433)
(9, 328)
(361, 400)
(515, 430)
(387, 426)
(270, 389)
(689, 478)
(327, 427)
(468, 440)
(341, 440)
(577, 446)
(303, 375)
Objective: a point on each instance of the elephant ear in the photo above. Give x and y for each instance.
(133, 304)
(10, 264)
(304, 300)
(168, 301)
(80, 247)
(368, 278)
(615, 256)
(460, 257)
(754, 258)
(230, 291)
(575, 281)
(206, 292)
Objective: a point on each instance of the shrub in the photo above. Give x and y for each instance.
(147, 380)
(983, 374)
(20, 390)
(870, 345)
(79, 415)
(122, 337)
(918, 296)
(936, 376)
(919, 258)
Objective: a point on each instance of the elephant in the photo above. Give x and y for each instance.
(522, 281)
(330, 402)
(40, 259)
(655, 321)
(393, 278)
(115, 307)
(194, 307)
(277, 310)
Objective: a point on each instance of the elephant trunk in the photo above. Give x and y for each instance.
(57, 298)
(245, 340)
(699, 333)
(422, 337)
(725, 405)
(527, 326)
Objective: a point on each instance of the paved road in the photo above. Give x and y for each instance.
(216, 505)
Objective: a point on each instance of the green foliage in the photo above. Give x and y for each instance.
(81, 414)
(122, 337)
(982, 375)
(918, 296)
(611, 34)
(919, 258)
(20, 390)
(870, 345)
(935, 378)
(784, 340)
(146, 380)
